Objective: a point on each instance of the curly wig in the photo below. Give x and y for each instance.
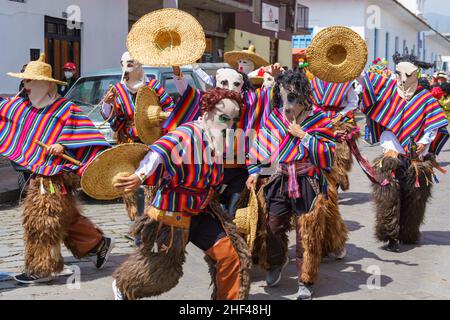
(397, 58)
(211, 97)
(294, 81)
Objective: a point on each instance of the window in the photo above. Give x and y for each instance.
(404, 46)
(375, 44)
(396, 44)
(386, 53)
(257, 11)
(283, 18)
(170, 87)
(302, 18)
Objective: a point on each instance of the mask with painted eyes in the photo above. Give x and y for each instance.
(293, 108)
(40, 93)
(407, 80)
(269, 81)
(133, 73)
(222, 117)
(229, 79)
(246, 66)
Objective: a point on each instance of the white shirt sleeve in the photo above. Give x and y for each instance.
(148, 165)
(206, 78)
(106, 110)
(351, 102)
(428, 137)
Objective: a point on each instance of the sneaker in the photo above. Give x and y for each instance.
(305, 291)
(392, 246)
(32, 278)
(273, 275)
(67, 271)
(103, 251)
(117, 294)
(338, 255)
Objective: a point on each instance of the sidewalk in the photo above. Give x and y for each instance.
(9, 188)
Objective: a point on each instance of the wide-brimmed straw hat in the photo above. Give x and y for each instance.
(148, 115)
(37, 70)
(246, 219)
(232, 57)
(337, 54)
(166, 37)
(101, 174)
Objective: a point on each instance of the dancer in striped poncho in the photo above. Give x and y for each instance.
(118, 109)
(50, 212)
(296, 146)
(189, 166)
(411, 128)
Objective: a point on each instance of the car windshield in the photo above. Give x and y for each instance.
(88, 92)
(170, 87)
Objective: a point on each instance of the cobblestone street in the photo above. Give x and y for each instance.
(417, 272)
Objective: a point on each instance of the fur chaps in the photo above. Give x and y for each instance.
(129, 199)
(48, 210)
(150, 271)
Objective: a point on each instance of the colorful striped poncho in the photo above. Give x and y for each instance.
(123, 119)
(61, 122)
(274, 144)
(330, 96)
(190, 172)
(255, 110)
(386, 110)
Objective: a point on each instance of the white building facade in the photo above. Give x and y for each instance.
(388, 26)
(92, 33)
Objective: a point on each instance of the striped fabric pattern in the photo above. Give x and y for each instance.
(188, 164)
(405, 118)
(125, 106)
(329, 96)
(274, 144)
(62, 122)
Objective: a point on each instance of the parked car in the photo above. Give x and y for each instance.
(89, 90)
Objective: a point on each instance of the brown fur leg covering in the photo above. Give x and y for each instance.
(312, 228)
(414, 201)
(129, 199)
(148, 273)
(239, 244)
(336, 233)
(343, 160)
(259, 254)
(387, 200)
(46, 217)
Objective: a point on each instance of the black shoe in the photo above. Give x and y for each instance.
(32, 278)
(103, 251)
(393, 246)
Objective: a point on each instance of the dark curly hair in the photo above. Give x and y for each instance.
(211, 97)
(423, 82)
(295, 81)
(397, 58)
(446, 87)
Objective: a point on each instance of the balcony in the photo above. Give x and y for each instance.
(220, 6)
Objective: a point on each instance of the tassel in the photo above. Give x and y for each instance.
(52, 188)
(393, 174)
(63, 189)
(41, 187)
(435, 178)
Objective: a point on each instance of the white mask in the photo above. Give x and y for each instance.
(68, 74)
(269, 81)
(407, 81)
(134, 73)
(40, 93)
(223, 116)
(246, 66)
(229, 79)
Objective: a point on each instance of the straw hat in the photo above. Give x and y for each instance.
(232, 57)
(148, 115)
(166, 37)
(100, 175)
(37, 70)
(337, 54)
(246, 219)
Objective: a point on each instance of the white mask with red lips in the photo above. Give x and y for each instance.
(246, 66)
(218, 120)
(41, 93)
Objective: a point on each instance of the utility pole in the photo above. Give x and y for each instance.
(170, 4)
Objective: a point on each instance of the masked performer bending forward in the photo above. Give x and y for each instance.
(410, 126)
(298, 142)
(50, 213)
(188, 163)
